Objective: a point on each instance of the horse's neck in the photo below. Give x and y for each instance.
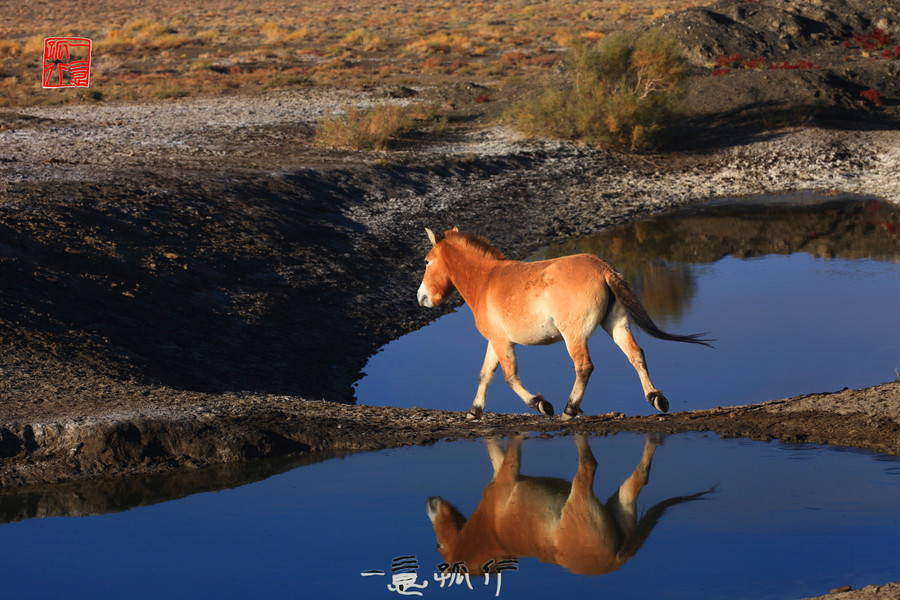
(468, 271)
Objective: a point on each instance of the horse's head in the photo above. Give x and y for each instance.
(436, 284)
(447, 522)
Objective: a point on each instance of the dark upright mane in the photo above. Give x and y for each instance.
(474, 243)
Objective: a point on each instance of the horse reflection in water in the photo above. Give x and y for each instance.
(551, 519)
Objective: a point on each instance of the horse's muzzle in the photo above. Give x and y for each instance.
(424, 299)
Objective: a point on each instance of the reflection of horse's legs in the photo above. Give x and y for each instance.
(586, 537)
(512, 461)
(587, 466)
(506, 353)
(623, 504)
(616, 325)
(578, 350)
(495, 451)
(484, 380)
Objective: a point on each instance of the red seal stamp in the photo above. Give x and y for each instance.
(67, 62)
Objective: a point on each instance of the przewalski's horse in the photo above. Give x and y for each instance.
(541, 302)
(553, 520)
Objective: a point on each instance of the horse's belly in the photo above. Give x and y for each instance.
(536, 334)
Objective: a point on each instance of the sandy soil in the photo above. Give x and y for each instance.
(192, 282)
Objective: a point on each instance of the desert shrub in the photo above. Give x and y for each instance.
(442, 42)
(362, 39)
(146, 29)
(10, 48)
(115, 39)
(273, 32)
(208, 35)
(34, 46)
(364, 129)
(288, 79)
(622, 93)
(139, 34)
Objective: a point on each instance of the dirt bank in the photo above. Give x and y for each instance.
(208, 429)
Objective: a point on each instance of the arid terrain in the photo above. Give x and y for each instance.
(190, 278)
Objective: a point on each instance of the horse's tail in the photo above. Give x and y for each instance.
(648, 521)
(638, 313)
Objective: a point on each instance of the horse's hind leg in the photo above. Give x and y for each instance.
(616, 325)
(506, 354)
(623, 504)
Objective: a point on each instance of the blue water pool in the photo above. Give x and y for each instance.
(755, 520)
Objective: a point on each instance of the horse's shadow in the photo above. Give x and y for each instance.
(551, 519)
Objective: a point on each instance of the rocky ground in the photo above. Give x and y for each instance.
(193, 282)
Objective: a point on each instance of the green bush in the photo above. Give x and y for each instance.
(622, 94)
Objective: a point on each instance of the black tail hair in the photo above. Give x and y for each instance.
(638, 313)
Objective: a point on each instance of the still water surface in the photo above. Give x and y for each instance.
(779, 522)
(800, 298)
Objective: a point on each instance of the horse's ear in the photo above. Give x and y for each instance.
(431, 236)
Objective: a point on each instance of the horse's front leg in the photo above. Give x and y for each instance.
(484, 380)
(506, 353)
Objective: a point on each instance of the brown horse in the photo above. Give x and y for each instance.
(553, 520)
(542, 302)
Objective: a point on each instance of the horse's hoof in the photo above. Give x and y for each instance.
(542, 406)
(658, 401)
(571, 412)
(474, 414)
(545, 407)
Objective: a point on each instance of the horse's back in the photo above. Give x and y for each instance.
(577, 294)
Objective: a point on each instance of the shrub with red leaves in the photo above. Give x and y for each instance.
(514, 57)
(755, 63)
(803, 64)
(725, 64)
(874, 41)
(734, 61)
(873, 96)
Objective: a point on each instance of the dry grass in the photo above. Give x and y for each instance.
(342, 42)
(370, 129)
(10, 48)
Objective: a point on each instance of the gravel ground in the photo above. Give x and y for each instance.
(95, 142)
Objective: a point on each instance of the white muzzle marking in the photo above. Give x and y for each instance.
(424, 298)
